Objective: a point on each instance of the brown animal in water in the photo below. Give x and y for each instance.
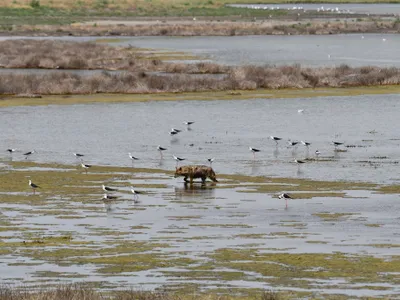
(192, 172)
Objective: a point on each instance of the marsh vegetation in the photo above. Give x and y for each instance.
(139, 68)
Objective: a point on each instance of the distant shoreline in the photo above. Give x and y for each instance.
(210, 27)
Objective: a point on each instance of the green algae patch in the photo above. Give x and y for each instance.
(222, 225)
(206, 96)
(389, 189)
(288, 267)
(373, 225)
(333, 216)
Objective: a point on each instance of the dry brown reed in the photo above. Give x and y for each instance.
(55, 54)
(238, 78)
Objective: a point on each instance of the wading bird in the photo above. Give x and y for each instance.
(135, 195)
(254, 150)
(86, 166)
(161, 149)
(286, 197)
(33, 186)
(108, 189)
(28, 153)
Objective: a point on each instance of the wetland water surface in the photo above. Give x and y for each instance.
(235, 234)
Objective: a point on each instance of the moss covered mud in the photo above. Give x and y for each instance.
(235, 235)
(6, 101)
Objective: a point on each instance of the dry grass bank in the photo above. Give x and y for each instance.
(212, 28)
(238, 78)
(137, 73)
(51, 54)
(84, 292)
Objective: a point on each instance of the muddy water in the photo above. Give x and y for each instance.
(224, 130)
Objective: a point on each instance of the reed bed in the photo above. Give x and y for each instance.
(53, 54)
(238, 78)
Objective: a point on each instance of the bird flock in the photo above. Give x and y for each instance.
(108, 197)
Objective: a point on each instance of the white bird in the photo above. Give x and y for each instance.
(10, 150)
(286, 197)
(317, 153)
(305, 143)
(188, 123)
(33, 186)
(210, 160)
(300, 111)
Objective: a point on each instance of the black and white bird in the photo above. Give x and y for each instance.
(10, 150)
(108, 189)
(161, 149)
(291, 143)
(78, 155)
(109, 197)
(286, 197)
(135, 195)
(28, 153)
(210, 160)
(307, 144)
(337, 143)
(86, 166)
(133, 158)
(178, 159)
(174, 131)
(317, 153)
(33, 186)
(275, 138)
(188, 123)
(254, 150)
(299, 162)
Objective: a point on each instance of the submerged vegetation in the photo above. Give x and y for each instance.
(143, 72)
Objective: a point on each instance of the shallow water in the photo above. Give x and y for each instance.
(196, 221)
(106, 132)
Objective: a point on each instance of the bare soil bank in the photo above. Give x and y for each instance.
(184, 27)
